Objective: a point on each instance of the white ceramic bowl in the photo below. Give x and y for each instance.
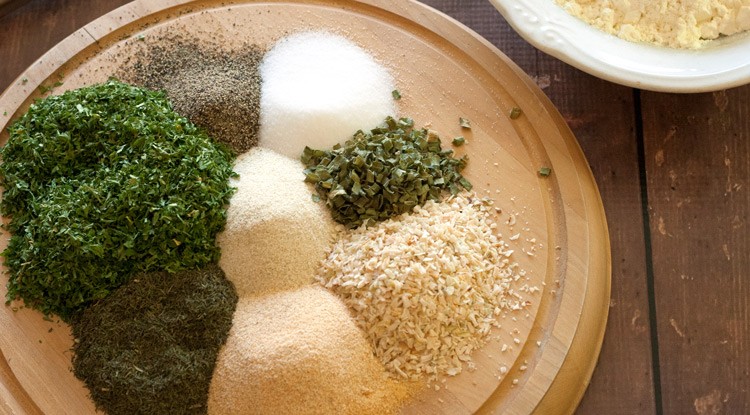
(723, 63)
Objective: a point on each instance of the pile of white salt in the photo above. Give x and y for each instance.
(317, 90)
(299, 352)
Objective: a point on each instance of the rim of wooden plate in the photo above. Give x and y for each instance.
(569, 357)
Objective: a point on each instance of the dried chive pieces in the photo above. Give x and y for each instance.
(46, 88)
(396, 94)
(545, 171)
(383, 173)
(464, 122)
(459, 141)
(515, 112)
(103, 182)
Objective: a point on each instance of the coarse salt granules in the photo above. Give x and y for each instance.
(317, 90)
(275, 233)
(298, 352)
(425, 287)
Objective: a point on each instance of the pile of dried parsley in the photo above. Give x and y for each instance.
(103, 182)
(383, 173)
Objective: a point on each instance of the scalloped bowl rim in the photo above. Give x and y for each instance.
(721, 64)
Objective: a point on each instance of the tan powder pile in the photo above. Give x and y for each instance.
(426, 287)
(674, 23)
(275, 233)
(299, 352)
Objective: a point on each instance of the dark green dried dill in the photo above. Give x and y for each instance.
(150, 347)
(383, 173)
(102, 182)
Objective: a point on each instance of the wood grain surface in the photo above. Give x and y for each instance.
(564, 244)
(645, 366)
(677, 339)
(698, 157)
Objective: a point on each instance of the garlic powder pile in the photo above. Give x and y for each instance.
(275, 234)
(298, 352)
(425, 287)
(685, 24)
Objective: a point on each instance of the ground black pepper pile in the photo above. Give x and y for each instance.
(217, 89)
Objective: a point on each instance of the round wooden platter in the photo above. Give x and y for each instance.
(555, 223)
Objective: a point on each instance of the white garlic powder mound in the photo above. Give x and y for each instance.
(317, 90)
(275, 233)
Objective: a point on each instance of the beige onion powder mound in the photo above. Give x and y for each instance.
(299, 352)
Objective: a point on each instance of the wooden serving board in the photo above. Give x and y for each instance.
(443, 71)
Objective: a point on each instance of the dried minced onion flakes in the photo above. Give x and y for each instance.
(426, 287)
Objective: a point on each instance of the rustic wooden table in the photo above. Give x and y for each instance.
(674, 175)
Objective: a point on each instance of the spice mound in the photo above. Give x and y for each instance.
(672, 23)
(383, 173)
(275, 233)
(318, 89)
(298, 352)
(217, 89)
(151, 346)
(426, 287)
(102, 182)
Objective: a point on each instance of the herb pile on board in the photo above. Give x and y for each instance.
(150, 347)
(383, 173)
(103, 182)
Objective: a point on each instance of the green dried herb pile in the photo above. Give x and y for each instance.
(151, 346)
(103, 182)
(383, 173)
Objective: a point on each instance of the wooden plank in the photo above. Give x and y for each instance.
(602, 117)
(484, 19)
(28, 30)
(603, 120)
(698, 168)
(7, 6)
(38, 25)
(13, 398)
